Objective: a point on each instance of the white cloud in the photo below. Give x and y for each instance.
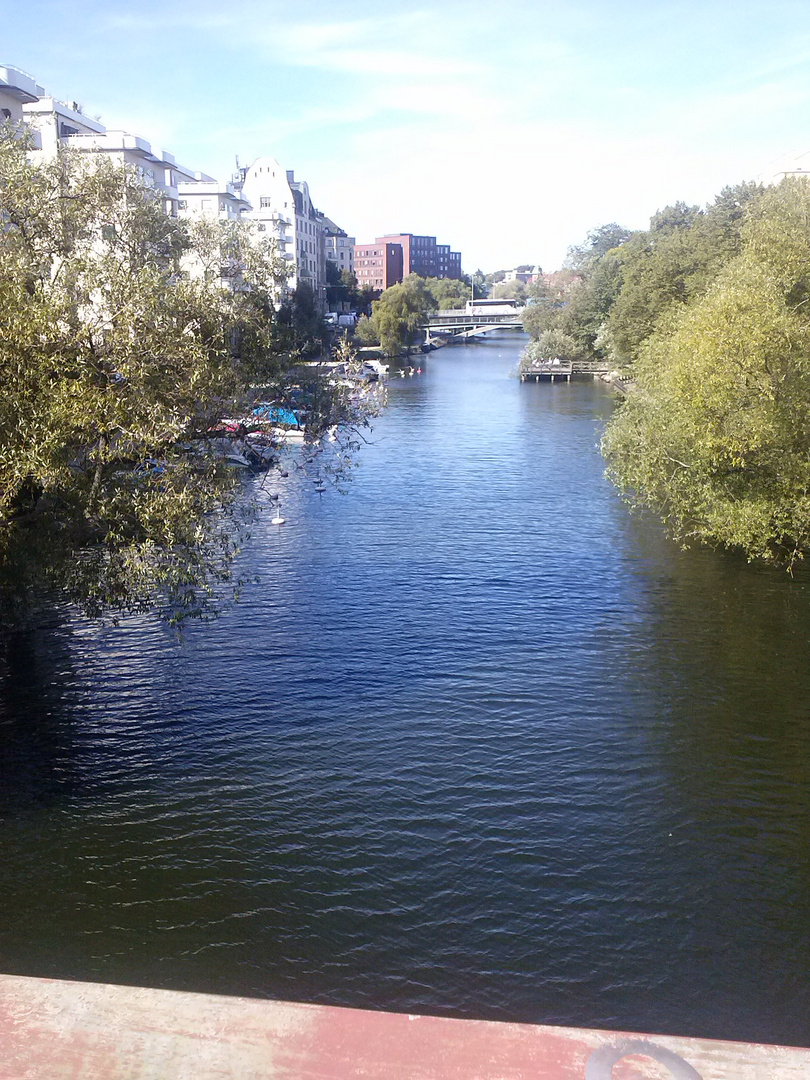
(508, 130)
(421, 39)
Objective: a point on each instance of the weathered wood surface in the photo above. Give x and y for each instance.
(545, 369)
(56, 1030)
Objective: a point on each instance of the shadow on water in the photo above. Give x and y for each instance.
(39, 763)
(709, 652)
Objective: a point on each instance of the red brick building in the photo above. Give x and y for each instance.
(390, 258)
(378, 265)
(423, 256)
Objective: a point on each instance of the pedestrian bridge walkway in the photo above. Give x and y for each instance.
(462, 324)
(55, 1030)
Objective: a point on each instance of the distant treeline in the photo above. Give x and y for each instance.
(708, 312)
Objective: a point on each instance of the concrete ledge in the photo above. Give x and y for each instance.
(55, 1030)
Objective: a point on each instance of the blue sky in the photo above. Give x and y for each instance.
(509, 128)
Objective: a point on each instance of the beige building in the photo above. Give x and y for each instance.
(338, 247)
(309, 250)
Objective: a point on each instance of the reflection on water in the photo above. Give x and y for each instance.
(478, 743)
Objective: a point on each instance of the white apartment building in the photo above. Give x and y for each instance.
(527, 277)
(52, 122)
(55, 125)
(264, 193)
(206, 197)
(265, 188)
(282, 206)
(16, 89)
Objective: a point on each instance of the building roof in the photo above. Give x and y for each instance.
(19, 85)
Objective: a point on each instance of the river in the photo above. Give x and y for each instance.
(477, 743)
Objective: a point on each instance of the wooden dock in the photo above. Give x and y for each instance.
(549, 371)
(56, 1030)
(545, 370)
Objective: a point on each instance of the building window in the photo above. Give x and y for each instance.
(265, 202)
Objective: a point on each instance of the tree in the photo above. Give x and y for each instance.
(341, 287)
(479, 283)
(590, 301)
(333, 275)
(509, 290)
(715, 436)
(600, 241)
(540, 316)
(348, 279)
(365, 333)
(116, 364)
(674, 261)
(399, 312)
(551, 344)
(303, 330)
(448, 293)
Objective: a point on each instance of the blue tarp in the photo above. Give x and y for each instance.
(277, 413)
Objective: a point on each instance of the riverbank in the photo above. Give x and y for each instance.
(620, 383)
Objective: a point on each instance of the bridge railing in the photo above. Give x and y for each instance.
(454, 322)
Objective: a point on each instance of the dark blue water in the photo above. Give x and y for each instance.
(478, 743)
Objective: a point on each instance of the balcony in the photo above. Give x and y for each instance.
(19, 85)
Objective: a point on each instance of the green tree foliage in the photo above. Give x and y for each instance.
(479, 281)
(600, 241)
(551, 344)
(623, 283)
(341, 288)
(115, 362)
(301, 330)
(715, 436)
(398, 313)
(509, 290)
(365, 332)
(673, 262)
(336, 292)
(448, 293)
(590, 302)
(539, 316)
(348, 279)
(577, 300)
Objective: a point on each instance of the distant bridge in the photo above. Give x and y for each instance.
(455, 325)
(461, 324)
